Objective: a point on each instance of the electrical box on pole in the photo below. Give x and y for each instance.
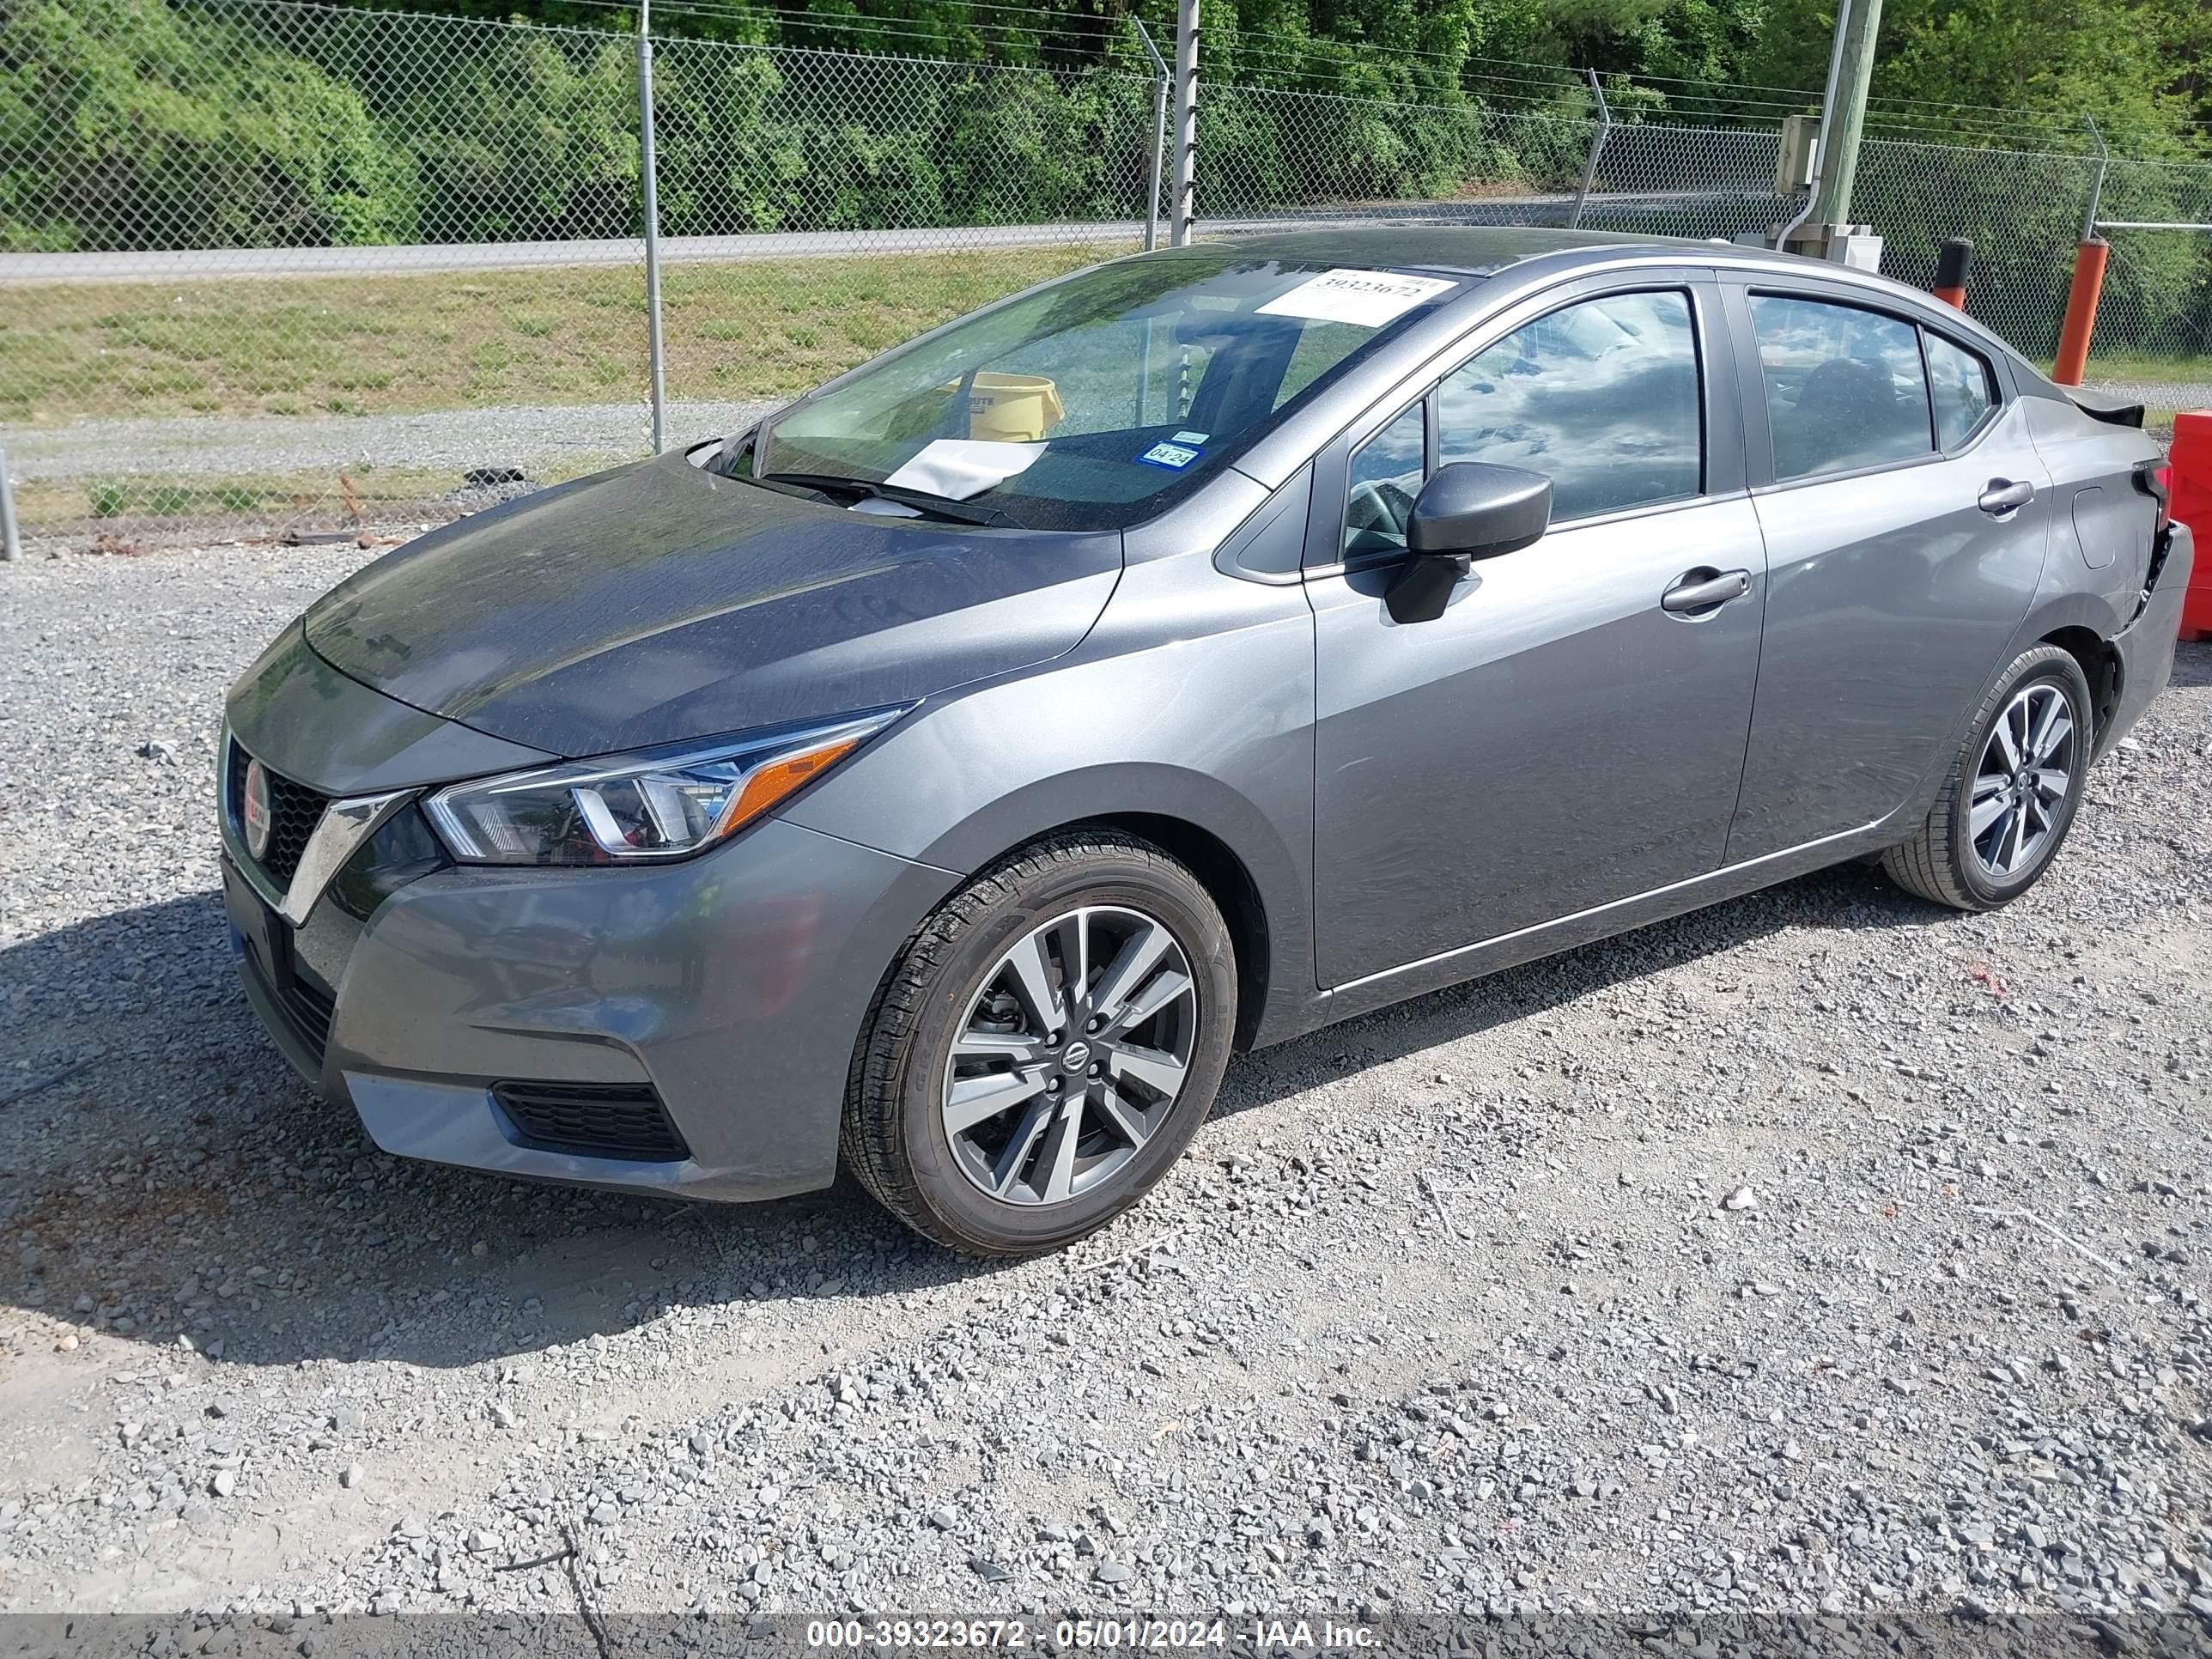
(1824, 162)
(1794, 168)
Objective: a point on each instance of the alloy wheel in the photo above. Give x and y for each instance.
(2022, 781)
(1071, 1055)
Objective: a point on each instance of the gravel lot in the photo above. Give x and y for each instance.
(530, 437)
(1822, 1251)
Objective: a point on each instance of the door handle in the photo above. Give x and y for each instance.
(2003, 496)
(1694, 591)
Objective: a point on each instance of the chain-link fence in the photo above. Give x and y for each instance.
(1272, 154)
(277, 264)
(284, 266)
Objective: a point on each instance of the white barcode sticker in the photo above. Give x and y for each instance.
(1369, 298)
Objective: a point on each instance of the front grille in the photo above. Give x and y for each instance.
(294, 810)
(593, 1120)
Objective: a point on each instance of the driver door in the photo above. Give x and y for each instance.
(1559, 738)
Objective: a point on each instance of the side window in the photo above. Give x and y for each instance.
(1601, 396)
(1963, 392)
(1386, 477)
(1845, 387)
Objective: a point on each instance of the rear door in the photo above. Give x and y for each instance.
(1559, 739)
(1906, 514)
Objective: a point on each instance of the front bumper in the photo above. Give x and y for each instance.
(734, 986)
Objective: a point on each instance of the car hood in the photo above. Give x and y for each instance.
(660, 603)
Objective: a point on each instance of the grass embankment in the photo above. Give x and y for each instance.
(404, 344)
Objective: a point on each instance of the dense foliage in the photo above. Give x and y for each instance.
(209, 123)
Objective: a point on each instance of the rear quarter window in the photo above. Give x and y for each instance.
(1963, 389)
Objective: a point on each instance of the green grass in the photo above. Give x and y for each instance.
(2150, 371)
(458, 340)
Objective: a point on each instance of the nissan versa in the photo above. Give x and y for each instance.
(951, 772)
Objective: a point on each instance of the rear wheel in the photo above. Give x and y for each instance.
(1045, 1047)
(2011, 793)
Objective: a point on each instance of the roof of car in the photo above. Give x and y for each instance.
(1487, 250)
(1477, 250)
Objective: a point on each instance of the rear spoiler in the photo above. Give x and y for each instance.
(2102, 406)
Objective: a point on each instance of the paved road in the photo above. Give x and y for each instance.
(228, 263)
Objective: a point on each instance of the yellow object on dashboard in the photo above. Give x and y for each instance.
(1014, 409)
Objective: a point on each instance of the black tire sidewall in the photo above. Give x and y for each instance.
(1105, 877)
(2057, 669)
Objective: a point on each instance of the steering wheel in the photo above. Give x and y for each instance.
(1375, 514)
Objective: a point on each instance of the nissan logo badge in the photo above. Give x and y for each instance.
(253, 811)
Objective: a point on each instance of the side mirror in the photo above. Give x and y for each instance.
(1467, 511)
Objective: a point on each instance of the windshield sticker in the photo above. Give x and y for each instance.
(1189, 438)
(957, 468)
(1174, 457)
(1369, 298)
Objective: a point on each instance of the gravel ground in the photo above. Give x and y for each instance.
(1821, 1251)
(2159, 394)
(541, 440)
(532, 438)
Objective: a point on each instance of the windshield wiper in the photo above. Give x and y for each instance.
(921, 500)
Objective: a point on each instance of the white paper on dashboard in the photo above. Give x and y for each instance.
(1369, 298)
(957, 468)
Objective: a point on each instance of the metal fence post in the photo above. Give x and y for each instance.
(1159, 135)
(1597, 149)
(11, 544)
(648, 179)
(1186, 153)
(2096, 180)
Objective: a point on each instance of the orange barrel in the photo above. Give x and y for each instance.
(2080, 313)
(1952, 263)
(2189, 501)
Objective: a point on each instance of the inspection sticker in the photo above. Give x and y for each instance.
(1174, 457)
(1369, 298)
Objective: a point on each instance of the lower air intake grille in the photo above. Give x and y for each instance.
(593, 1120)
(309, 1008)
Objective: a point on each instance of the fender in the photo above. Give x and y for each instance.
(1196, 694)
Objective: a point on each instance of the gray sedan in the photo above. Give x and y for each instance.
(949, 774)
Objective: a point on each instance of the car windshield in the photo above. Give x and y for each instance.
(1091, 402)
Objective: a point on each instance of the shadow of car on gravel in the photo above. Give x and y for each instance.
(182, 1182)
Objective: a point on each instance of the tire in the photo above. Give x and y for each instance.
(1945, 861)
(989, 971)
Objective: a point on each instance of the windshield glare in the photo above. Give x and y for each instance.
(1090, 404)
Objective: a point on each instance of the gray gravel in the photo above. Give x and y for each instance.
(2159, 394)
(534, 438)
(541, 440)
(1821, 1251)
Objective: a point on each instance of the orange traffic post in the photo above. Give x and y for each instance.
(2080, 311)
(2189, 500)
(1952, 265)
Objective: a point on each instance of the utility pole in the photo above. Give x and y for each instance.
(1845, 119)
(1186, 152)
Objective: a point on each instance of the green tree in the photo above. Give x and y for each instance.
(123, 125)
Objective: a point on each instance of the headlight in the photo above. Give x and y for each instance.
(656, 803)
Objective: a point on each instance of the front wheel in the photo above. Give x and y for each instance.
(1045, 1047)
(2011, 793)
